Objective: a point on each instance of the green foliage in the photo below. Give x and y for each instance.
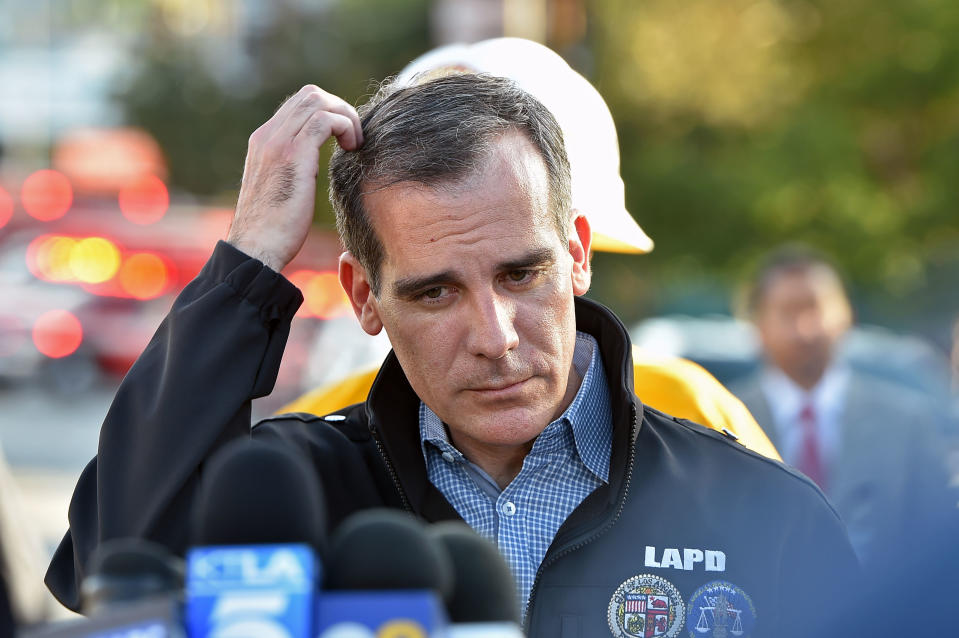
(202, 100)
(745, 124)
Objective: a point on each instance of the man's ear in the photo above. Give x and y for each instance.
(580, 242)
(355, 282)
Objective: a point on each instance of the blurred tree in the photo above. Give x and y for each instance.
(746, 123)
(743, 123)
(202, 91)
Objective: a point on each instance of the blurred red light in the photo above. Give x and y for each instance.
(145, 200)
(6, 207)
(57, 333)
(46, 195)
(144, 276)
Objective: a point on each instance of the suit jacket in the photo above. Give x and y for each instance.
(889, 483)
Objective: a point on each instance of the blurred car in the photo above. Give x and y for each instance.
(729, 349)
(26, 302)
(96, 286)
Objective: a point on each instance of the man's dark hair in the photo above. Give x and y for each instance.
(788, 259)
(436, 133)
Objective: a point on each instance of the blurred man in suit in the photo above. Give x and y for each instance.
(871, 445)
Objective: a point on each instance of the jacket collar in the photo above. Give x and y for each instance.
(392, 412)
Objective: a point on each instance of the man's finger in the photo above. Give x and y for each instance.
(345, 109)
(322, 124)
(312, 103)
(283, 113)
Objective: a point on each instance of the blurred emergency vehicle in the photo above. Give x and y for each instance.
(92, 254)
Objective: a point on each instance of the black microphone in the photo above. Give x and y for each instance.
(254, 493)
(258, 522)
(258, 519)
(134, 588)
(386, 549)
(484, 601)
(126, 570)
(386, 575)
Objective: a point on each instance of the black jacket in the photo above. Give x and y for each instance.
(680, 496)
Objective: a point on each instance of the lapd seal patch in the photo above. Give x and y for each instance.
(645, 606)
(720, 610)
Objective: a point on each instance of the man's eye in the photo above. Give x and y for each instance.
(519, 276)
(437, 293)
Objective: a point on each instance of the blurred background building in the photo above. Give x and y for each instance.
(742, 124)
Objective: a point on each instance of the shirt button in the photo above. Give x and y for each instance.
(509, 508)
(448, 457)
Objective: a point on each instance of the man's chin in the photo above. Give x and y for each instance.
(507, 427)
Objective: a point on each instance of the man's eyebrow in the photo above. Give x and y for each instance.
(539, 257)
(411, 286)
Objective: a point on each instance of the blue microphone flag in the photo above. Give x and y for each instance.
(255, 590)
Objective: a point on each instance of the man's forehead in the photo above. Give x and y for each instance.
(511, 183)
(509, 152)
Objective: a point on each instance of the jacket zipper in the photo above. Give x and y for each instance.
(619, 511)
(392, 471)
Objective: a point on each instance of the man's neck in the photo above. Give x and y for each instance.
(501, 463)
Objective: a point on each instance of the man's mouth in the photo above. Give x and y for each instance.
(499, 388)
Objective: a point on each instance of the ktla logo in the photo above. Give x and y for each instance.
(251, 567)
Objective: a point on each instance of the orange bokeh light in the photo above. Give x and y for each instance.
(145, 200)
(57, 333)
(144, 276)
(300, 278)
(324, 297)
(6, 207)
(46, 195)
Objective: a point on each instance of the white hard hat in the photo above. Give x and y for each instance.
(587, 124)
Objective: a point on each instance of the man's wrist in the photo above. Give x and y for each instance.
(256, 253)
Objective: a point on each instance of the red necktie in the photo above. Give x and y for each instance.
(810, 460)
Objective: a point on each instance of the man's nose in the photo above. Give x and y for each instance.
(492, 333)
(809, 326)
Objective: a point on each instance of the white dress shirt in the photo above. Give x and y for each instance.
(786, 401)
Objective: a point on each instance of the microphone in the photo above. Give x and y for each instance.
(127, 570)
(258, 521)
(483, 602)
(384, 577)
(133, 590)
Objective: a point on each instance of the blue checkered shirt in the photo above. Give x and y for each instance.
(568, 461)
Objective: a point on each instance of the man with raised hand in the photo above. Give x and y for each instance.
(671, 384)
(507, 400)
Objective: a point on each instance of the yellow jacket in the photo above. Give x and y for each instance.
(669, 384)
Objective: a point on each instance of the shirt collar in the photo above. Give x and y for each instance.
(590, 414)
(826, 396)
(588, 417)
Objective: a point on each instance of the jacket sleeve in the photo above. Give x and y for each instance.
(187, 394)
